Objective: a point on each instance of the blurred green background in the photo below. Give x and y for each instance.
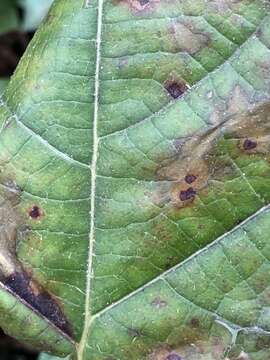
(18, 21)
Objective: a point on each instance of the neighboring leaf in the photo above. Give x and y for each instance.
(35, 11)
(8, 16)
(133, 135)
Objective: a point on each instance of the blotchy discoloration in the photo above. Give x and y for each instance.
(252, 129)
(139, 6)
(187, 38)
(238, 101)
(159, 303)
(13, 275)
(174, 356)
(28, 290)
(10, 220)
(176, 87)
(211, 349)
(223, 7)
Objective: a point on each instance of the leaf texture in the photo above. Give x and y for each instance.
(134, 154)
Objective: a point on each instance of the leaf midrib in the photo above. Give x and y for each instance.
(88, 319)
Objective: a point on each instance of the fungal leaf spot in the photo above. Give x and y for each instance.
(137, 6)
(188, 194)
(159, 303)
(10, 220)
(176, 89)
(187, 36)
(143, 2)
(174, 357)
(249, 144)
(13, 275)
(190, 178)
(201, 155)
(35, 212)
(21, 284)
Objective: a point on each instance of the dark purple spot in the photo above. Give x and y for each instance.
(159, 303)
(195, 323)
(190, 178)
(188, 194)
(174, 357)
(176, 89)
(40, 300)
(249, 144)
(35, 212)
(143, 2)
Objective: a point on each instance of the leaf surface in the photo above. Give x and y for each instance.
(134, 152)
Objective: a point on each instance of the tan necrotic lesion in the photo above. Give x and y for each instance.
(15, 277)
(197, 155)
(10, 221)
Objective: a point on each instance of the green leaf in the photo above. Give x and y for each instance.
(3, 84)
(8, 16)
(50, 357)
(135, 167)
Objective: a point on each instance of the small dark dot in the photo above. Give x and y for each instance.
(174, 357)
(190, 178)
(35, 212)
(143, 2)
(195, 323)
(176, 89)
(249, 144)
(134, 333)
(159, 303)
(188, 194)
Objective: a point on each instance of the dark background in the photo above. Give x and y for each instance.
(10, 349)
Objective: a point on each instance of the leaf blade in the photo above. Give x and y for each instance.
(184, 306)
(141, 199)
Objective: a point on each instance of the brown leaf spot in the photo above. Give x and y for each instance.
(188, 194)
(176, 88)
(28, 290)
(187, 37)
(138, 6)
(35, 212)
(159, 303)
(249, 144)
(174, 356)
(190, 178)
(122, 63)
(195, 323)
(10, 221)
